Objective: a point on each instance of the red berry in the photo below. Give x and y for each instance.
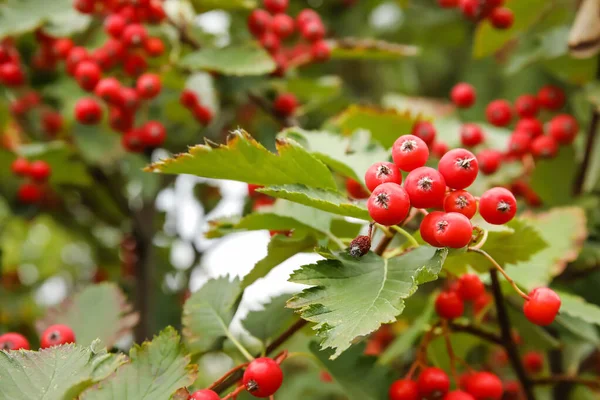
(154, 47)
(563, 128)
(13, 341)
(481, 302)
(134, 65)
(404, 389)
(489, 161)
(502, 18)
(88, 111)
(499, 113)
(29, 193)
(76, 55)
(532, 126)
(20, 167)
(11, 74)
(409, 152)
(84, 6)
(115, 49)
(462, 202)
(270, 42)
(263, 377)
(497, 206)
(527, 106)
(153, 134)
(544, 147)
(320, 51)
(388, 204)
(276, 6)
(129, 99)
(148, 86)
(114, 25)
(551, 97)
(471, 135)
(134, 35)
(439, 149)
(109, 90)
(101, 57)
(356, 190)
(88, 74)
(258, 22)
(471, 9)
(204, 394)
(305, 16)
(458, 395)
(533, 362)
(188, 98)
(433, 383)
(57, 335)
(428, 226)
(132, 141)
(285, 104)
(202, 114)
(282, 25)
(449, 305)
(453, 230)
(426, 188)
(470, 287)
(484, 386)
(425, 131)
(313, 30)
(156, 13)
(39, 171)
(463, 95)
(459, 167)
(382, 172)
(542, 306)
(62, 47)
(519, 143)
(120, 120)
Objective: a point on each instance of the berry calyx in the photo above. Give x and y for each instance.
(449, 305)
(425, 131)
(263, 377)
(20, 167)
(39, 171)
(359, 246)
(204, 394)
(459, 167)
(409, 152)
(484, 386)
(462, 202)
(13, 341)
(403, 389)
(563, 128)
(463, 95)
(382, 172)
(489, 161)
(426, 188)
(453, 230)
(542, 306)
(497, 206)
(388, 204)
(57, 335)
(433, 383)
(428, 226)
(533, 362)
(286, 104)
(551, 97)
(471, 135)
(356, 190)
(499, 113)
(470, 287)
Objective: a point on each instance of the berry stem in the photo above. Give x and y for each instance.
(407, 235)
(339, 242)
(450, 350)
(240, 347)
(386, 231)
(480, 244)
(235, 393)
(507, 338)
(225, 376)
(475, 331)
(184, 35)
(501, 270)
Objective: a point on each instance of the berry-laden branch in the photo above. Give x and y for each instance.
(507, 338)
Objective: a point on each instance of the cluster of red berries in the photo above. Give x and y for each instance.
(38, 172)
(477, 10)
(272, 25)
(11, 71)
(258, 199)
(54, 335)
(201, 113)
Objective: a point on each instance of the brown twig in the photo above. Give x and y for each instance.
(473, 330)
(184, 35)
(554, 379)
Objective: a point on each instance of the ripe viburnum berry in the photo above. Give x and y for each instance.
(313, 30)
(533, 361)
(471, 135)
(52, 122)
(485, 386)
(481, 303)
(154, 47)
(84, 6)
(459, 167)
(88, 74)
(463, 95)
(11, 74)
(56, 335)
(109, 90)
(134, 64)
(403, 389)
(382, 172)
(20, 167)
(502, 17)
(276, 6)
(39, 171)
(356, 190)
(13, 341)
(320, 51)
(388, 204)
(188, 98)
(132, 141)
(542, 306)
(76, 55)
(286, 104)
(471, 9)
(499, 113)
(263, 377)
(544, 147)
(449, 305)
(305, 16)
(258, 22)
(470, 287)
(282, 25)
(428, 226)
(29, 193)
(425, 131)
(462, 202)
(88, 111)
(453, 230)
(409, 152)
(120, 120)
(114, 25)
(270, 42)
(497, 206)
(62, 47)
(489, 161)
(532, 126)
(519, 143)
(439, 149)
(433, 383)
(527, 106)
(202, 114)
(153, 134)
(551, 97)
(134, 35)
(563, 128)
(426, 188)
(204, 394)
(129, 99)
(148, 86)
(458, 395)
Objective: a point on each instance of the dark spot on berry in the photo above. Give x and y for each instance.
(383, 170)
(464, 163)
(383, 200)
(425, 183)
(503, 206)
(462, 202)
(252, 386)
(408, 146)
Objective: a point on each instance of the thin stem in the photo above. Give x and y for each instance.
(554, 379)
(501, 270)
(235, 393)
(507, 337)
(240, 347)
(336, 240)
(484, 238)
(473, 330)
(450, 350)
(407, 235)
(386, 231)
(226, 375)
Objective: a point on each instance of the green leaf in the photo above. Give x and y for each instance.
(564, 230)
(239, 161)
(369, 49)
(208, 313)
(488, 39)
(352, 297)
(385, 125)
(206, 5)
(234, 60)
(577, 307)
(269, 322)
(561, 171)
(56, 373)
(356, 374)
(322, 199)
(113, 316)
(280, 249)
(156, 371)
